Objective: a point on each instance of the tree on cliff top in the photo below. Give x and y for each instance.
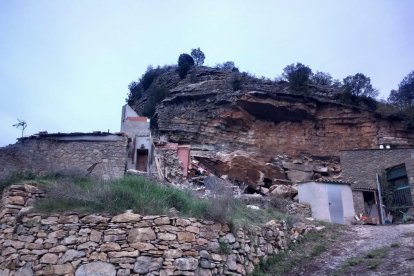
(298, 75)
(404, 96)
(322, 78)
(185, 62)
(227, 66)
(198, 56)
(359, 85)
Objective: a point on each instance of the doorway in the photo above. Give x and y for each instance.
(142, 160)
(336, 210)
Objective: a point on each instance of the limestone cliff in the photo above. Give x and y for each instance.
(262, 133)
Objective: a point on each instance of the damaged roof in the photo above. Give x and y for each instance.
(76, 136)
(326, 180)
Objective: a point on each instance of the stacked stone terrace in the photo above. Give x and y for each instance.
(127, 244)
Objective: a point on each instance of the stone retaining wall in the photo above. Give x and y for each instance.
(127, 244)
(102, 159)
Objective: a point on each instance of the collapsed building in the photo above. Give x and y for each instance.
(102, 155)
(140, 147)
(382, 180)
(97, 154)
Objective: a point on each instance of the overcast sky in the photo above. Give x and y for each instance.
(65, 66)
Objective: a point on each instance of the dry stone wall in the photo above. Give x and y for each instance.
(102, 159)
(127, 244)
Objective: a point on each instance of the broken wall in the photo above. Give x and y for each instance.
(361, 166)
(101, 159)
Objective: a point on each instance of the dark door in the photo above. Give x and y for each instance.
(142, 160)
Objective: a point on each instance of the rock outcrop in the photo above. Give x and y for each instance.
(263, 132)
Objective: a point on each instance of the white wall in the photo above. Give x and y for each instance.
(315, 194)
(348, 203)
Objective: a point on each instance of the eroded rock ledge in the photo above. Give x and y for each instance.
(267, 123)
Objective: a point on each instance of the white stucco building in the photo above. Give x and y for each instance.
(330, 200)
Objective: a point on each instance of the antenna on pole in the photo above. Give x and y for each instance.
(21, 124)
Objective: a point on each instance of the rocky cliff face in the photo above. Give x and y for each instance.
(263, 134)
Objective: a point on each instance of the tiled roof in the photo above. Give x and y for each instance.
(137, 119)
(362, 188)
(327, 180)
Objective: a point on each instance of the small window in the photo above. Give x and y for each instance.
(398, 180)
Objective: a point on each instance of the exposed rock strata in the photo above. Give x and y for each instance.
(265, 122)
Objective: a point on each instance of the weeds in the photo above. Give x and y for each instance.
(132, 192)
(371, 260)
(146, 197)
(224, 248)
(395, 245)
(312, 245)
(16, 177)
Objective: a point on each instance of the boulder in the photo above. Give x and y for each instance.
(283, 191)
(231, 262)
(299, 176)
(70, 255)
(173, 253)
(63, 269)
(25, 270)
(96, 269)
(145, 264)
(127, 217)
(141, 234)
(186, 263)
(94, 219)
(297, 167)
(49, 258)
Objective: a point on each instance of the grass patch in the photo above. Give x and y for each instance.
(312, 245)
(395, 245)
(224, 248)
(16, 177)
(371, 260)
(146, 197)
(132, 192)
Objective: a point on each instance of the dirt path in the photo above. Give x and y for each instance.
(365, 250)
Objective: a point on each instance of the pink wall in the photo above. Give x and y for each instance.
(183, 153)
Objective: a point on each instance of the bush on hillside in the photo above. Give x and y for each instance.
(185, 62)
(149, 76)
(155, 96)
(135, 92)
(364, 102)
(403, 98)
(236, 83)
(228, 66)
(359, 85)
(297, 74)
(198, 56)
(321, 78)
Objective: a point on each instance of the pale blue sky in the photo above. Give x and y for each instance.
(65, 65)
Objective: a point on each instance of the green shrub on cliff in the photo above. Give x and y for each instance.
(185, 62)
(155, 96)
(297, 74)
